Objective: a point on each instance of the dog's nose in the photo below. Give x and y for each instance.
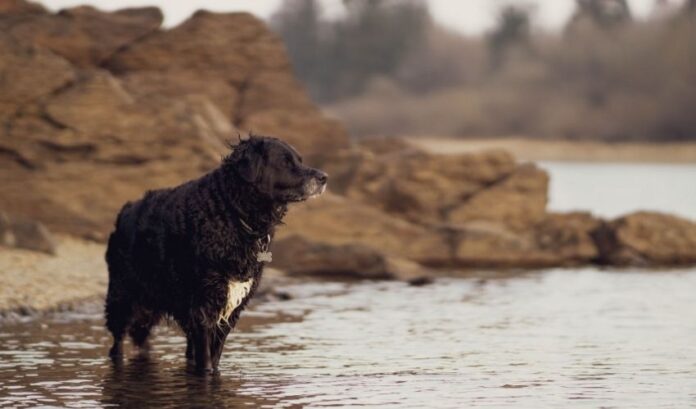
(322, 177)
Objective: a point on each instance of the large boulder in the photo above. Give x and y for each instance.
(28, 74)
(339, 221)
(296, 254)
(91, 146)
(20, 8)
(237, 50)
(518, 200)
(647, 239)
(557, 240)
(83, 35)
(452, 189)
(98, 107)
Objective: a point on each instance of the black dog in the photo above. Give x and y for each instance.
(195, 252)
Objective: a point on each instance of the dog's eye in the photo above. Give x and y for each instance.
(288, 160)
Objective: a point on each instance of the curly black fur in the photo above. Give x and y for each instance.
(174, 252)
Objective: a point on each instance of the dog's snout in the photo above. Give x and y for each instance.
(322, 177)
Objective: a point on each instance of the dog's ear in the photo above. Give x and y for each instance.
(250, 164)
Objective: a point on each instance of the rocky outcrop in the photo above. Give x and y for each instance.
(337, 221)
(98, 107)
(556, 240)
(245, 59)
(25, 234)
(647, 239)
(83, 35)
(420, 186)
(296, 254)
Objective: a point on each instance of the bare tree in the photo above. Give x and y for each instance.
(601, 13)
(513, 31)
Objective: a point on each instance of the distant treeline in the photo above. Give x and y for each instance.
(387, 68)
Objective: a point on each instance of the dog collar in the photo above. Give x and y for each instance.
(263, 255)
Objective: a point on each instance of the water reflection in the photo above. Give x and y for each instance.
(580, 338)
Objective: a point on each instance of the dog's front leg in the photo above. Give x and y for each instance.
(217, 342)
(201, 348)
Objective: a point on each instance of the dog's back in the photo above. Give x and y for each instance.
(148, 248)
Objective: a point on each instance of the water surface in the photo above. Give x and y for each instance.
(557, 338)
(614, 189)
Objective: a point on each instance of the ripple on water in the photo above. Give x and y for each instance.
(557, 338)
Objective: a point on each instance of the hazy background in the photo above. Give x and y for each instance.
(603, 70)
(468, 16)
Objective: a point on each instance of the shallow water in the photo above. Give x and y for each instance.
(582, 338)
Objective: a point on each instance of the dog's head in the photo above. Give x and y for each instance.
(276, 170)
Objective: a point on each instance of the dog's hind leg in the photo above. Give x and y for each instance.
(141, 327)
(189, 348)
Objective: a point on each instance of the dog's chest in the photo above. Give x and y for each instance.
(237, 291)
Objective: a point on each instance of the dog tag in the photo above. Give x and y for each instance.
(264, 256)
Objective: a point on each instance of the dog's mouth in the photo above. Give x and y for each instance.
(311, 189)
(318, 192)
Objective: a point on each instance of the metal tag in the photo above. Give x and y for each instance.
(264, 256)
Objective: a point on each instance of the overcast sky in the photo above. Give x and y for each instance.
(468, 16)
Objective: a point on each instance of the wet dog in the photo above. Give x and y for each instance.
(195, 252)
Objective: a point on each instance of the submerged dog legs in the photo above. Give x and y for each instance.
(217, 342)
(201, 348)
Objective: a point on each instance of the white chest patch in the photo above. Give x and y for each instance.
(236, 292)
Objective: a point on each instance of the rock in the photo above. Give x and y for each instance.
(238, 51)
(517, 201)
(92, 146)
(28, 74)
(25, 234)
(298, 255)
(156, 87)
(77, 143)
(232, 46)
(83, 35)
(557, 240)
(568, 237)
(20, 8)
(647, 239)
(308, 132)
(414, 184)
(337, 221)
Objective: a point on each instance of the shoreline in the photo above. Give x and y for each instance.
(37, 284)
(525, 149)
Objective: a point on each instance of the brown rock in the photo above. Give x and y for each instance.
(28, 74)
(337, 221)
(647, 239)
(298, 255)
(568, 237)
(158, 87)
(95, 146)
(411, 183)
(238, 50)
(20, 8)
(232, 46)
(309, 132)
(25, 234)
(83, 35)
(558, 240)
(518, 201)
